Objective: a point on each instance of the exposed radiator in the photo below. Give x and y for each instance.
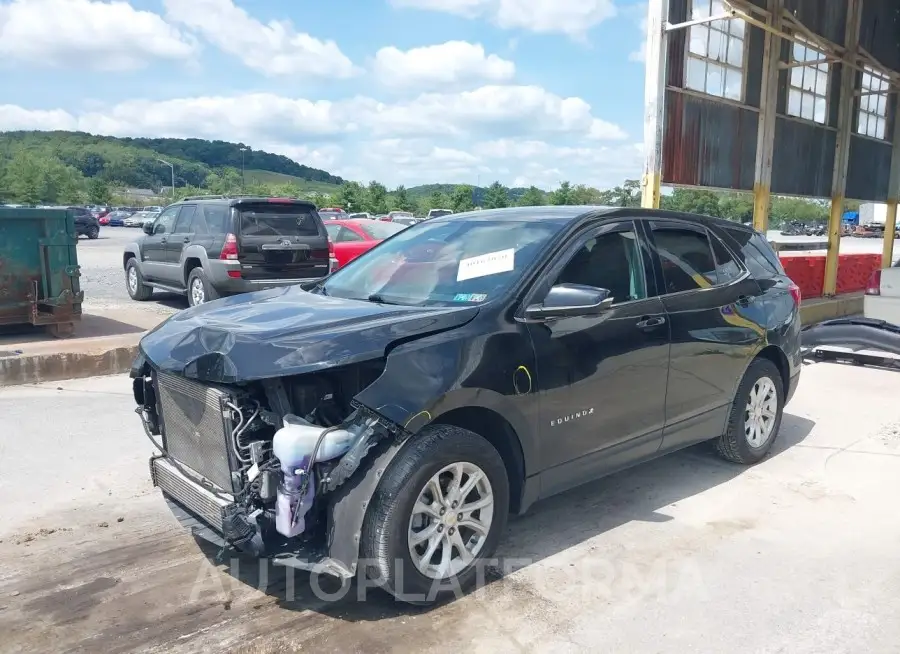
(196, 427)
(206, 505)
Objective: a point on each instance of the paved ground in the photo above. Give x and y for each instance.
(103, 275)
(685, 554)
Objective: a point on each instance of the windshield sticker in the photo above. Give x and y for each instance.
(469, 297)
(486, 264)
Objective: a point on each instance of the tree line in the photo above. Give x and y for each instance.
(64, 174)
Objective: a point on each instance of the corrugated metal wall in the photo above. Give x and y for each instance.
(711, 142)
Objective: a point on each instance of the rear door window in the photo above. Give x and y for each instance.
(216, 219)
(727, 269)
(278, 220)
(686, 257)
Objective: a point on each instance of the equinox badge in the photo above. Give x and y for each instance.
(573, 416)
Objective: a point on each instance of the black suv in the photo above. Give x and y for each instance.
(386, 420)
(86, 223)
(207, 248)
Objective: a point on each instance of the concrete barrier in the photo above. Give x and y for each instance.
(54, 361)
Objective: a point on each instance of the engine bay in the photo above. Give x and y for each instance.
(289, 442)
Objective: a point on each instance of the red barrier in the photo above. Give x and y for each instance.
(808, 272)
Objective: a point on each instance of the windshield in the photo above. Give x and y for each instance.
(437, 213)
(331, 215)
(400, 214)
(444, 263)
(380, 231)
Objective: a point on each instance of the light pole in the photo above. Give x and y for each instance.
(243, 181)
(163, 161)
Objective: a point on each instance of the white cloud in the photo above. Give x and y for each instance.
(274, 49)
(445, 65)
(86, 34)
(495, 132)
(640, 54)
(572, 17)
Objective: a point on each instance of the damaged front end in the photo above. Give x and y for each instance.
(264, 466)
(858, 340)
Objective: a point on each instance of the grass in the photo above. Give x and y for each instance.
(268, 177)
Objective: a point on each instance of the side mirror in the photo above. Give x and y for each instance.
(148, 229)
(571, 300)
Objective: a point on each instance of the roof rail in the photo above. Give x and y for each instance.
(203, 197)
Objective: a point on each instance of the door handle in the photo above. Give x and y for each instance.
(650, 323)
(163, 240)
(744, 301)
(187, 239)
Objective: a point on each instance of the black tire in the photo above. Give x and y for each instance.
(384, 545)
(734, 445)
(209, 293)
(140, 291)
(93, 232)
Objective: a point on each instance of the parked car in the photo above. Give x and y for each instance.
(406, 221)
(437, 213)
(397, 411)
(135, 220)
(393, 215)
(364, 215)
(882, 298)
(353, 237)
(327, 214)
(206, 249)
(117, 217)
(85, 223)
(103, 220)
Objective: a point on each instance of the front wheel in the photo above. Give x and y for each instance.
(755, 416)
(134, 281)
(93, 232)
(436, 516)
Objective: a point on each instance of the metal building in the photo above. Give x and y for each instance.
(792, 97)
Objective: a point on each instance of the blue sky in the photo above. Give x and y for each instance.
(403, 91)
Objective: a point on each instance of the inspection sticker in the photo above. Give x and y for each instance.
(470, 297)
(486, 264)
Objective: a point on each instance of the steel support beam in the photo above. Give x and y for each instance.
(765, 137)
(842, 149)
(890, 219)
(654, 102)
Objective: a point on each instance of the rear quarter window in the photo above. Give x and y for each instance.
(758, 255)
(278, 220)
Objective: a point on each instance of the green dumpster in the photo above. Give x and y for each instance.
(39, 273)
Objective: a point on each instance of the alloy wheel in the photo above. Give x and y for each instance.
(761, 412)
(451, 520)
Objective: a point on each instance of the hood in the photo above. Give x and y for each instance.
(286, 331)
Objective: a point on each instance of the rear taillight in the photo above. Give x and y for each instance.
(795, 293)
(874, 285)
(230, 249)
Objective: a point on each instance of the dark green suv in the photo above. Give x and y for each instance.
(205, 248)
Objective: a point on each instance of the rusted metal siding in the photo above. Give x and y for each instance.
(879, 31)
(869, 169)
(827, 18)
(803, 160)
(677, 43)
(708, 143)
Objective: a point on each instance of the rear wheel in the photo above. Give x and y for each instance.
(199, 290)
(134, 282)
(437, 514)
(755, 415)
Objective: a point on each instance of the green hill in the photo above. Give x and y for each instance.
(305, 185)
(59, 166)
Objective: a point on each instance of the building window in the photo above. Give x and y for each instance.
(873, 103)
(808, 84)
(715, 61)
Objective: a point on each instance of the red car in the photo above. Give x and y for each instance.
(103, 220)
(351, 238)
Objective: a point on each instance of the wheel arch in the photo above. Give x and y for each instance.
(193, 256)
(777, 356)
(500, 433)
(131, 252)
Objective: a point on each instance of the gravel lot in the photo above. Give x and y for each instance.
(103, 275)
(685, 554)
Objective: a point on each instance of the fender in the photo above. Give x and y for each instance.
(133, 248)
(193, 252)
